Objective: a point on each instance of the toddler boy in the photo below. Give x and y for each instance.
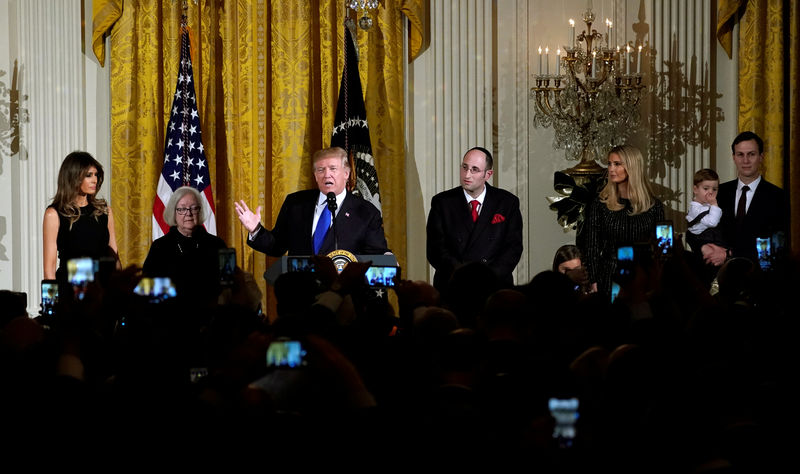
(704, 213)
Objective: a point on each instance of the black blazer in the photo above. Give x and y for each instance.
(453, 239)
(191, 262)
(765, 216)
(359, 228)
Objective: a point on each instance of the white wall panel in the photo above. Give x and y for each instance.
(450, 110)
(65, 111)
(501, 43)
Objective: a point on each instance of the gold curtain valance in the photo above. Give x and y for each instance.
(267, 75)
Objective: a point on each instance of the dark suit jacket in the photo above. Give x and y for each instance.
(453, 239)
(765, 216)
(359, 228)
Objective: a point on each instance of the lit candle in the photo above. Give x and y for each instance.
(610, 29)
(540, 60)
(639, 60)
(547, 59)
(572, 32)
(627, 60)
(594, 67)
(558, 62)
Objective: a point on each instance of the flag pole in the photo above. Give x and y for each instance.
(185, 162)
(351, 129)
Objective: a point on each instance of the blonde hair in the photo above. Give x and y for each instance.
(70, 177)
(639, 192)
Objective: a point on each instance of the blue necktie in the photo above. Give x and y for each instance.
(323, 224)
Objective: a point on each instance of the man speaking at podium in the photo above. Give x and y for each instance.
(305, 224)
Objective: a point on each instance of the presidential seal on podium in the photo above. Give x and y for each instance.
(341, 258)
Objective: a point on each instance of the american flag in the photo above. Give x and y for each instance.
(185, 161)
(351, 131)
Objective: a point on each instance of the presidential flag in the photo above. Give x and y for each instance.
(350, 130)
(185, 161)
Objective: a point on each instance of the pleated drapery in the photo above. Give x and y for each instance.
(769, 96)
(267, 76)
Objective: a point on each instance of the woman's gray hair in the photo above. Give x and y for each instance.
(169, 210)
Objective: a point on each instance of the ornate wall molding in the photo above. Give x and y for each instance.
(450, 109)
(480, 90)
(65, 94)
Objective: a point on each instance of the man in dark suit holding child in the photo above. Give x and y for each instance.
(751, 206)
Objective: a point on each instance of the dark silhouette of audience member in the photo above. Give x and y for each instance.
(668, 378)
(467, 289)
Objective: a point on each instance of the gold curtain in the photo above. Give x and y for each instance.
(769, 96)
(267, 76)
(727, 15)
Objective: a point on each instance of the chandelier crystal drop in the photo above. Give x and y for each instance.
(592, 100)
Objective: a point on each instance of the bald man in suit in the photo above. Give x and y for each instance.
(474, 222)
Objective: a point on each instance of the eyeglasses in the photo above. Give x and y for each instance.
(185, 210)
(473, 170)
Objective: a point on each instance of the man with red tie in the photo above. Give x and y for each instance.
(474, 222)
(751, 206)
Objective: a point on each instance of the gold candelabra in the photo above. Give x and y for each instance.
(594, 105)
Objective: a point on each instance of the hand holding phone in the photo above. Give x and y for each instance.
(382, 276)
(664, 238)
(565, 412)
(49, 297)
(227, 266)
(764, 250)
(156, 289)
(285, 353)
(625, 262)
(614, 291)
(300, 264)
(81, 271)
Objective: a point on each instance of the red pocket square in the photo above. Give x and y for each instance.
(498, 218)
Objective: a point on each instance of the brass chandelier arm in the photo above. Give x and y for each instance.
(593, 104)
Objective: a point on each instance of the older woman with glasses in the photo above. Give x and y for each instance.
(187, 254)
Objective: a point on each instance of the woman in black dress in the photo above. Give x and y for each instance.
(77, 223)
(625, 212)
(187, 254)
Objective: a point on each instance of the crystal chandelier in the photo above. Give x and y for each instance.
(593, 105)
(365, 22)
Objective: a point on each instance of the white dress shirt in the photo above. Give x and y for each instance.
(750, 193)
(322, 201)
(480, 199)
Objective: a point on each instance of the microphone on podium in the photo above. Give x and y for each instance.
(332, 202)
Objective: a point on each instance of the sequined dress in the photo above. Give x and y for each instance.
(605, 229)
